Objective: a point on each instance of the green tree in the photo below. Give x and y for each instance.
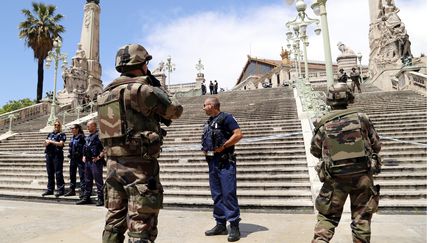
(13, 105)
(39, 30)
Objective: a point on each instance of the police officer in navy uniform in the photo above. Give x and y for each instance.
(221, 133)
(94, 162)
(54, 160)
(76, 146)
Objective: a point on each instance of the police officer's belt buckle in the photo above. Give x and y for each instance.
(210, 153)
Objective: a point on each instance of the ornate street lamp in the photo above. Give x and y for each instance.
(319, 8)
(359, 56)
(295, 49)
(169, 67)
(57, 56)
(299, 26)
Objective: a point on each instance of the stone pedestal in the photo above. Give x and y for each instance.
(347, 62)
(198, 81)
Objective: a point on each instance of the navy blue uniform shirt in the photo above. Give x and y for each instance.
(57, 137)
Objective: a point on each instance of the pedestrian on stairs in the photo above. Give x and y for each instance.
(76, 146)
(54, 160)
(347, 145)
(355, 78)
(93, 158)
(211, 87)
(221, 133)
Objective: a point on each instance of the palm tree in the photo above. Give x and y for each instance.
(39, 30)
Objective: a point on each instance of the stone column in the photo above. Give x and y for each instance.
(90, 45)
(374, 9)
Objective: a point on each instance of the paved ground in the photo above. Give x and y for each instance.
(51, 223)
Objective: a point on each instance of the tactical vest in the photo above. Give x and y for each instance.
(214, 135)
(126, 127)
(344, 142)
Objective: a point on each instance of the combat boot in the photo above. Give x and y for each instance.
(70, 193)
(46, 193)
(84, 200)
(219, 229)
(100, 202)
(234, 234)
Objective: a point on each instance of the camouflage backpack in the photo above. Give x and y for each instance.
(344, 142)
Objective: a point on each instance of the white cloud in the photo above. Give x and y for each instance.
(223, 39)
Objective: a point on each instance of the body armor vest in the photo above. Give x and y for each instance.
(214, 134)
(127, 121)
(345, 143)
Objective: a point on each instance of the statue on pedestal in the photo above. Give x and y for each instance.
(345, 50)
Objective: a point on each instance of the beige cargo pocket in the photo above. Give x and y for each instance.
(150, 198)
(323, 201)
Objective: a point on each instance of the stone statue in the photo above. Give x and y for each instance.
(159, 69)
(93, 1)
(345, 50)
(199, 66)
(285, 56)
(80, 60)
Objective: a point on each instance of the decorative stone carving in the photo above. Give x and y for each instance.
(345, 50)
(347, 59)
(285, 56)
(388, 40)
(159, 69)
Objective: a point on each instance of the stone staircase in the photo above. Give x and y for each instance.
(400, 119)
(272, 168)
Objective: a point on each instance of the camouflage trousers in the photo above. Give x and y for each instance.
(330, 203)
(133, 197)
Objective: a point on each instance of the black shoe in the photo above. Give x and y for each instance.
(100, 202)
(60, 193)
(46, 193)
(84, 200)
(136, 240)
(70, 193)
(219, 229)
(234, 234)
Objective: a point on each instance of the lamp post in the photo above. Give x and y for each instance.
(299, 26)
(57, 56)
(319, 8)
(295, 47)
(169, 67)
(359, 56)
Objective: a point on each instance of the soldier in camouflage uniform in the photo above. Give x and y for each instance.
(130, 111)
(347, 145)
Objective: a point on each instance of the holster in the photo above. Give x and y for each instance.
(150, 144)
(375, 163)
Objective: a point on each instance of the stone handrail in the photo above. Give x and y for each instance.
(418, 79)
(26, 113)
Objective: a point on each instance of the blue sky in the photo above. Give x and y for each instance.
(222, 33)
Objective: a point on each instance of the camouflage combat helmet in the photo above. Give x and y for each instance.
(339, 94)
(131, 56)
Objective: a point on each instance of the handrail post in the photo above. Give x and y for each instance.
(11, 117)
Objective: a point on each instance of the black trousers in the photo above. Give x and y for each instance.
(54, 167)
